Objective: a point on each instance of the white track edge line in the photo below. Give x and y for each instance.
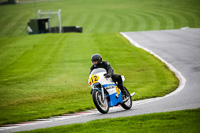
(182, 80)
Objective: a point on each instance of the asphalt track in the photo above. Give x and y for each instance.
(180, 48)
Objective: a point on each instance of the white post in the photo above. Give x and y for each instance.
(49, 25)
(49, 13)
(38, 13)
(59, 19)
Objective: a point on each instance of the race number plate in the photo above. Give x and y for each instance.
(94, 79)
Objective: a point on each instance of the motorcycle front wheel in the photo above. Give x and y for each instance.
(101, 105)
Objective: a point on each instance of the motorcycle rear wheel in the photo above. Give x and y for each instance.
(128, 104)
(102, 106)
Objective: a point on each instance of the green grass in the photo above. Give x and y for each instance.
(186, 121)
(106, 16)
(46, 75)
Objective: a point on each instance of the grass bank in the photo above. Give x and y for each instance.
(105, 16)
(186, 121)
(45, 75)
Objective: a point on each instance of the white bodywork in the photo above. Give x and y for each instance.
(99, 72)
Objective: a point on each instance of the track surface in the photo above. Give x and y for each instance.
(180, 48)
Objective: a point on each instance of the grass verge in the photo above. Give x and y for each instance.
(46, 75)
(104, 16)
(186, 121)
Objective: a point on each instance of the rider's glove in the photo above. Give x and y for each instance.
(107, 75)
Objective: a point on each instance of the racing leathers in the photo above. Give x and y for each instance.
(110, 73)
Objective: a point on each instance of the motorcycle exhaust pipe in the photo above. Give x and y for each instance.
(132, 94)
(126, 99)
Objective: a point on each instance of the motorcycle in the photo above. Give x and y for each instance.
(105, 92)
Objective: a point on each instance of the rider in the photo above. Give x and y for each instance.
(98, 63)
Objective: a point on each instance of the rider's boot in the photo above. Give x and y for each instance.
(122, 88)
(125, 94)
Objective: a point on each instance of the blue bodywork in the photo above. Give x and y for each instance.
(114, 100)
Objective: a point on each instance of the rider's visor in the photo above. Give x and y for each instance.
(95, 62)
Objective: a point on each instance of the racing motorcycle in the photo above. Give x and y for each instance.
(105, 92)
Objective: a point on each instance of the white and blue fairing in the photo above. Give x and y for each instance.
(115, 98)
(108, 84)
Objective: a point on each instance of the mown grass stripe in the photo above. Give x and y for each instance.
(167, 17)
(125, 22)
(83, 19)
(190, 14)
(14, 45)
(11, 27)
(154, 19)
(92, 25)
(101, 24)
(21, 25)
(68, 20)
(142, 22)
(50, 52)
(132, 22)
(4, 20)
(75, 20)
(179, 19)
(31, 67)
(152, 22)
(165, 21)
(114, 24)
